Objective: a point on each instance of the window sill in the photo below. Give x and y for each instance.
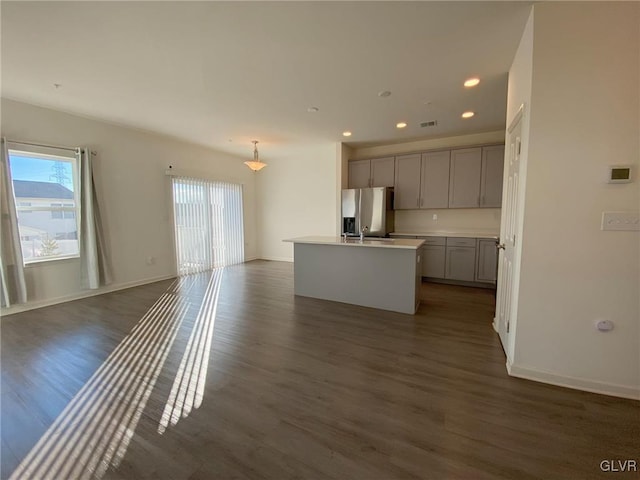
(49, 261)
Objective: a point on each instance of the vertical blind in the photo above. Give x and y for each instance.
(208, 224)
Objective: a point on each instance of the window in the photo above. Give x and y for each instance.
(63, 210)
(45, 189)
(24, 204)
(57, 213)
(208, 224)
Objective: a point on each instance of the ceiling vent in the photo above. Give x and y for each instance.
(431, 123)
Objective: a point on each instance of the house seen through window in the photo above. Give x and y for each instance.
(46, 204)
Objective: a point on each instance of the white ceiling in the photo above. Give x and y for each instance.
(225, 73)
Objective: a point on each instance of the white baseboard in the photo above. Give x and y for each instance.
(574, 382)
(83, 294)
(278, 259)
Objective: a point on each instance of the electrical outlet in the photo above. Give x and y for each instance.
(435, 217)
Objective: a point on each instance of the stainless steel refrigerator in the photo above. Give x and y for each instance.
(367, 207)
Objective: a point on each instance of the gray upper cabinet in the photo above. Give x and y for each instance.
(378, 172)
(382, 172)
(487, 261)
(491, 176)
(464, 178)
(407, 182)
(434, 180)
(459, 178)
(359, 174)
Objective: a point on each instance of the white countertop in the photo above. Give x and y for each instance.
(448, 233)
(408, 243)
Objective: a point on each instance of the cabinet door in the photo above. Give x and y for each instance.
(434, 184)
(460, 263)
(407, 183)
(491, 176)
(359, 174)
(433, 261)
(464, 178)
(382, 172)
(487, 261)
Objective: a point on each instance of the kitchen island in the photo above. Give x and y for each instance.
(380, 273)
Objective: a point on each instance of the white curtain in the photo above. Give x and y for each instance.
(208, 224)
(94, 264)
(14, 288)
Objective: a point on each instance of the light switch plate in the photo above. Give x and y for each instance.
(627, 221)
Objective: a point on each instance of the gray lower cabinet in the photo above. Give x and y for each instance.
(460, 259)
(433, 261)
(487, 261)
(433, 257)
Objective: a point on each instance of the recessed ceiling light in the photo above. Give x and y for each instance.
(384, 93)
(471, 82)
(401, 125)
(313, 109)
(346, 134)
(468, 114)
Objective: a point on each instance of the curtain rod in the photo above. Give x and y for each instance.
(41, 145)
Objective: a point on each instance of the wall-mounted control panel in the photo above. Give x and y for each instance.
(620, 174)
(626, 221)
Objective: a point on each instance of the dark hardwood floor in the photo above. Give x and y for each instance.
(228, 375)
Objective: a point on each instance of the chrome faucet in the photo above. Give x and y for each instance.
(362, 230)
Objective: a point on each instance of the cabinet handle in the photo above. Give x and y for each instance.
(422, 202)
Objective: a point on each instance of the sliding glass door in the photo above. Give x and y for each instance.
(208, 224)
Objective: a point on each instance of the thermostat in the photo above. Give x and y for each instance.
(620, 174)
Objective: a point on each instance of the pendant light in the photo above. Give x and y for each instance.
(255, 164)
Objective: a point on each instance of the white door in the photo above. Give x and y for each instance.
(508, 240)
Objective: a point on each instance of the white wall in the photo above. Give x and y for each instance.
(133, 190)
(297, 194)
(480, 220)
(584, 116)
